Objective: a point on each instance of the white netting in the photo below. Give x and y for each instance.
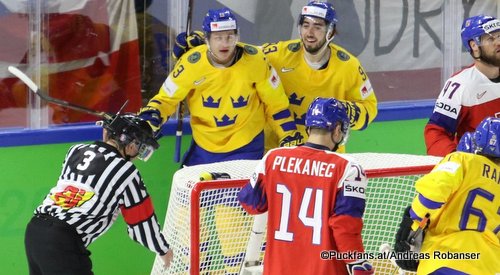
(225, 228)
(177, 228)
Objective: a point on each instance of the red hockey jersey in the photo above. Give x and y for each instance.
(315, 200)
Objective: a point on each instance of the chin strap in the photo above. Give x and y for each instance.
(125, 156)
(336, 146)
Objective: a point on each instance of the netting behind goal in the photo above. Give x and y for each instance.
(209, 231)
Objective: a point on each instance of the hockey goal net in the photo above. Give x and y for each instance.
(209, 231)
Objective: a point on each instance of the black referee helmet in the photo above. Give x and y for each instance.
(127, 128)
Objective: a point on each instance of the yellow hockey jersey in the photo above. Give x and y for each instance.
(228, 106)
(344, 79)
(462, 196)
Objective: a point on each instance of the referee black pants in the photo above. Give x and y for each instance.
(54, 247)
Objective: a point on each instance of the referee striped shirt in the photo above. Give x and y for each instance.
(95, 185)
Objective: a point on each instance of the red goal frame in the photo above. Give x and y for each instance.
(201, 186)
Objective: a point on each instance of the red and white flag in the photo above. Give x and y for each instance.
(89, 55)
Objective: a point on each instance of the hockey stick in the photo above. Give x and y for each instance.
(412, 238)
(180, 108)
(251, 264)
(33, 87)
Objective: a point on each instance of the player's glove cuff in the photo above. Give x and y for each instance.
(353, 112)
(152, 116)
(360, 267)
(184, 43)
(292, 140)
(195, 39)
(401, 244)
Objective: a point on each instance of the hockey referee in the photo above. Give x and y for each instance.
(97, 182)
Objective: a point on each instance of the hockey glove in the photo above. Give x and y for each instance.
(152, 116)
(361, 267)
(292, 140)
(184, 43)
(353, 112)
(402, 246)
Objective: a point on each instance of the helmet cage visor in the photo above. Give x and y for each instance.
(345, 134)
(144, 151)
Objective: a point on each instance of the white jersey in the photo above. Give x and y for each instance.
(465, 100)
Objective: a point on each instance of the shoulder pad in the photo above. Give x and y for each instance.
(194, 57)
(343, 55)
(250, 49)
(294, 47)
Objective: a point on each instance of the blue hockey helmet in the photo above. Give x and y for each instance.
(325, 113)
(219, 20)
(475, 26)
(466, 143)
(321, 10)
(487, 137)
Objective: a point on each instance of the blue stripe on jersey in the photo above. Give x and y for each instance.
(253, 197)
(447, 271)
(281, 115)
(414, 215)
(288, 126)
(429, 203)
(446, 122)
(350, 206)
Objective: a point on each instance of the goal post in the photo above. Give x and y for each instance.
(209, 231)
(196, 198)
